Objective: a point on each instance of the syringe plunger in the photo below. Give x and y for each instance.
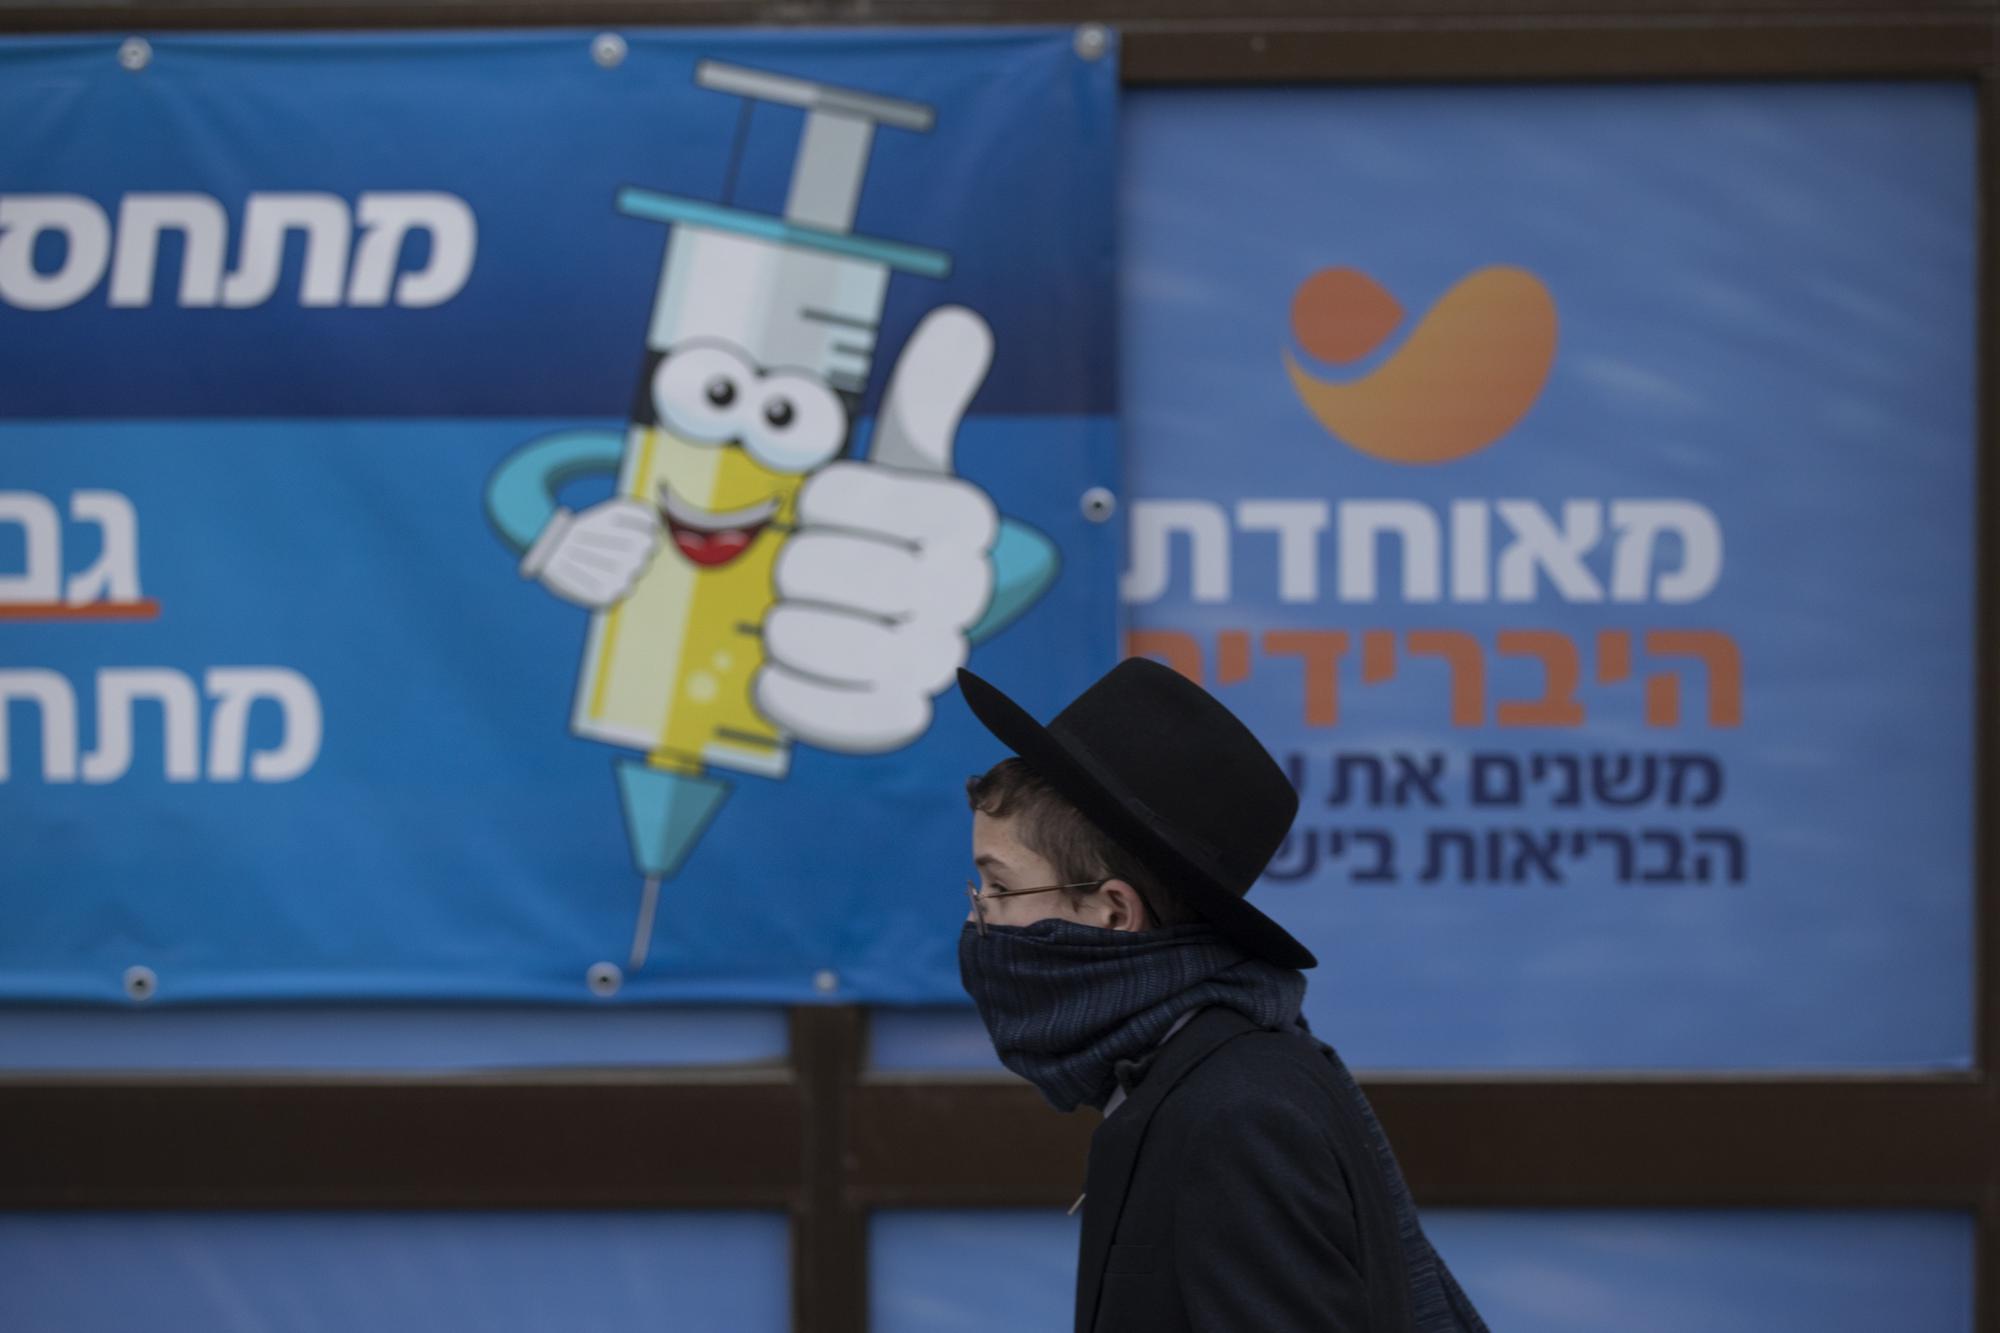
(840, 130)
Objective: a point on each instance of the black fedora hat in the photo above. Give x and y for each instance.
(1170, 775)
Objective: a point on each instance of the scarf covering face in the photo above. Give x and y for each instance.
(1066, 1003)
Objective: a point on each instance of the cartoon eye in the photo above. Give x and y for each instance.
(699, 393)
(799, 423)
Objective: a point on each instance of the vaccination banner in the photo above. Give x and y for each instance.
(496, 516)
(1575, 489)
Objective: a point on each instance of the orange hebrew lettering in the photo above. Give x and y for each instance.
(1320, 650)
(1614, 656)
(1232, 656)
(1717, 651)
(1468, 670)
(1378, 656)
(1558, 706)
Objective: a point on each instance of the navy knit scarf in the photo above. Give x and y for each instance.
(1065, 1003)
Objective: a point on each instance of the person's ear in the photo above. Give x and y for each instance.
(1123, 908)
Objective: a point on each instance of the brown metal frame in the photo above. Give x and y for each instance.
(827, 1140)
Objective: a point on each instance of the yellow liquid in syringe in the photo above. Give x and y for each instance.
(668, 670)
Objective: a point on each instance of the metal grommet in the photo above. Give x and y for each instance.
(141, 984)
(608, 50)
(1257, 44)
(1098, 504)
(826, 981)
(1092, 41)
(604, 979)
(135, 53)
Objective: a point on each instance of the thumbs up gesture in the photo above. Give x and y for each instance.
(891, 563)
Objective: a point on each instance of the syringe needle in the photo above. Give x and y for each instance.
(642, 935)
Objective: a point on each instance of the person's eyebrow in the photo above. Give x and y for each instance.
(989, 859)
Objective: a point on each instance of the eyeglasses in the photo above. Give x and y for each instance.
(980, 896)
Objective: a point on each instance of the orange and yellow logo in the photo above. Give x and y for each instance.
(1470, 369)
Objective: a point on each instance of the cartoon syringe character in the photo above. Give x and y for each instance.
(748, 585)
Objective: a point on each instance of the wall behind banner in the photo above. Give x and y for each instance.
(1579, 1273)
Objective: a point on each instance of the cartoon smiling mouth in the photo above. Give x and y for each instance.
(709, 536)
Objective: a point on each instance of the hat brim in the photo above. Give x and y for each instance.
(1066, 768)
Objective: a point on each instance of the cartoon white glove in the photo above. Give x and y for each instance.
(595, 557)
(891, 563)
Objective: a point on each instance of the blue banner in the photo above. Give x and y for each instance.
(1575, 489)
(495, 516)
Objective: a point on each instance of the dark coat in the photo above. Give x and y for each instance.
(1234, 1191)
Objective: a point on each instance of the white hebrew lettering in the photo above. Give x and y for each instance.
(204, 230)
(1660, 550)
(234, 690)
(386, 218)
(1639, 525)
(114, 576)
(1559, 554)
(266, 220)
(50, 694)
(1298, 524)
(119, 691)
(1471, 554)
(40, 579)
(1154, 524)
(87, 248)
(1415, 527)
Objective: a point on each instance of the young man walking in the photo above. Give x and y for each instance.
(1239, 1182)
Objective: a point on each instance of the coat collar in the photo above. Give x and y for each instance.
(1114, 1148)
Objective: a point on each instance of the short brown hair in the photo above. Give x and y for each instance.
(1057, 831)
